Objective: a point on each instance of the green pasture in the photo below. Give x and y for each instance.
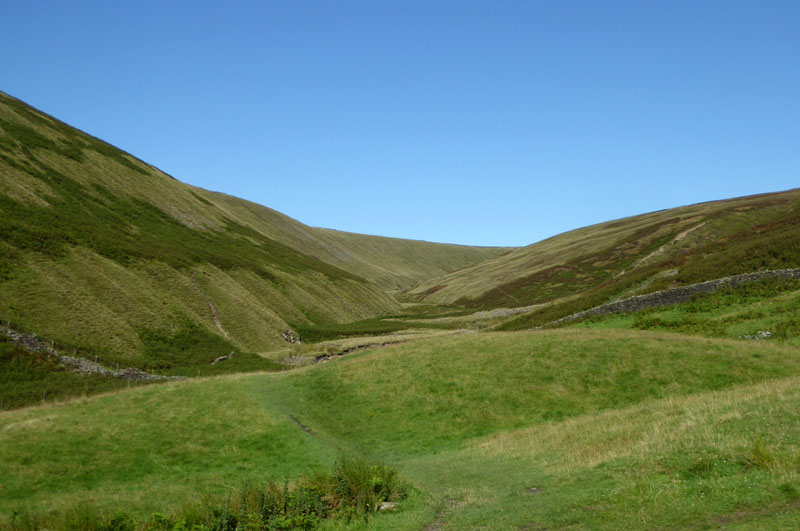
(577, 429)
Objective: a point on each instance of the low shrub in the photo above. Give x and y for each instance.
(355, 488)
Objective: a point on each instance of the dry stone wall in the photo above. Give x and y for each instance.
(32, 343)
(676, 295)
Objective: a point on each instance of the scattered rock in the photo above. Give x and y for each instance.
(222, 358)
(322, 358)
(291, 337)
(387, 506)
(761, 334)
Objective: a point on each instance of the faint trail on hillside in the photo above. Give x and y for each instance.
(501, 290)
(661, 249)
(302, 426)
(211, 306)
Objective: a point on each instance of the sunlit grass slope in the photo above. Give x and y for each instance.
(149, 448)
(392, 263)
(634, 255)
(433, 395)
(580, 428)
(100, 251)
(716, 459)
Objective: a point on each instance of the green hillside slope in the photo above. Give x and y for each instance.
(633, 255)
(108, 256)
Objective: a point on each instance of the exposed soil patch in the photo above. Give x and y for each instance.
(211, 306)
(302, 426)
(431, 291)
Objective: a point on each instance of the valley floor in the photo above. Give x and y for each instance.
(572, 429)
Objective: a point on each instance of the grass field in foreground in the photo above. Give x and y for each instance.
(148, 449)
(433, 395)
(565, 428)
(690, 462)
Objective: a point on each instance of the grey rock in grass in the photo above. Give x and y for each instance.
(222, 358)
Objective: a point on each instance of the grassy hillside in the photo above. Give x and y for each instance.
(102, 253)
(391, 263)
(572, 428)
(634, 255)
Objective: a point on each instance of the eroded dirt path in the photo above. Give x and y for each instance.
(675, 240)
(211, 306)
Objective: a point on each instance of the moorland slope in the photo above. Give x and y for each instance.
(592, 265)
(110, 257)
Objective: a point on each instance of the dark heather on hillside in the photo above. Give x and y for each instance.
(650, 252)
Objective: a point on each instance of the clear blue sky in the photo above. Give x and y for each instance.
(487, 123)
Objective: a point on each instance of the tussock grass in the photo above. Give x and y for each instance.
(602, 428)
(691, 462)
(353, 489)
(149, 449)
